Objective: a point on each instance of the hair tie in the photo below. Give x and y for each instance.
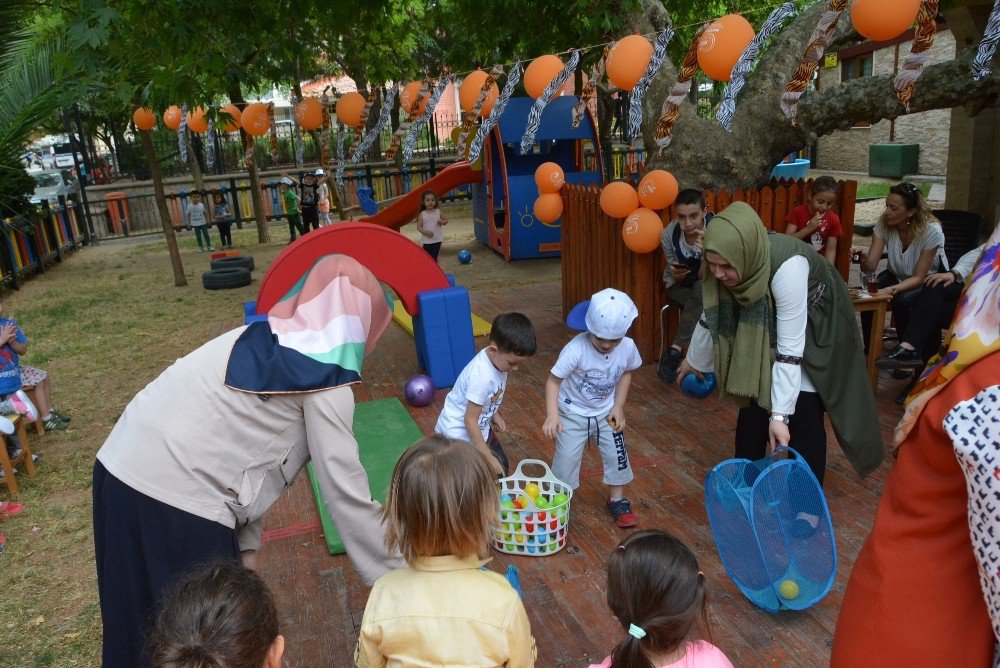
(621, 547)
(701, 574)
(636, 632)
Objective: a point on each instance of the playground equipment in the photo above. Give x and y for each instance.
(442, 315)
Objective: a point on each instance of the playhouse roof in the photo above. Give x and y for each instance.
(557, 120)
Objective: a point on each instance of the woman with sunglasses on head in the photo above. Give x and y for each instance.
(914, 242)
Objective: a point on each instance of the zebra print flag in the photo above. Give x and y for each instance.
(639, 92)
(418, 125)
(487, 126)
(535, 115)
(988, 45)
(383, 120)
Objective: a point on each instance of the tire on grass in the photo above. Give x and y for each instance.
(226, 278)
(245, 261)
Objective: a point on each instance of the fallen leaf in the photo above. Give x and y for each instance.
(70, 636)
(37, 621)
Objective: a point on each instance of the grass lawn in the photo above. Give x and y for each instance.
(105, 323)
(876, 189)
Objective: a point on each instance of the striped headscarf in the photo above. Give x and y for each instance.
(316, 336)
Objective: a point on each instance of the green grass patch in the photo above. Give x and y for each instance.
(872, 190)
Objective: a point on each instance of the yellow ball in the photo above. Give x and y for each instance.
(789, 590)
(531, 489)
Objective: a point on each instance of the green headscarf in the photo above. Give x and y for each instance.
(739, 317)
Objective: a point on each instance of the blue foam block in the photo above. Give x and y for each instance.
(442, 331)
(262, 317)
(249, 308)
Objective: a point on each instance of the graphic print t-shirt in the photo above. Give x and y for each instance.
(589, 377)
(481, 383)
(10, 363)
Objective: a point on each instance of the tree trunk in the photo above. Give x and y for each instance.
(161, 205)
(263, 236)
(194, 165)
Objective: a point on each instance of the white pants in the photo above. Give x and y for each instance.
(577, 431)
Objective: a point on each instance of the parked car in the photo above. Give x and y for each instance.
(51, 183)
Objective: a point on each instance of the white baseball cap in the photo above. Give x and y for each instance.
(287, 181)
(610, 314)
(319, 172)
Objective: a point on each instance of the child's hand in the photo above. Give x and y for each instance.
(616, 418)
(678, 272)
(684, 369)
(427, 234)
(443, 221)
(8, 334)
(552, 426)
(499, 423)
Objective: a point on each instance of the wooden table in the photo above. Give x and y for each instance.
(877, 304)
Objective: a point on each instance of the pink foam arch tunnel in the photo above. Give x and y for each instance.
(390, 256)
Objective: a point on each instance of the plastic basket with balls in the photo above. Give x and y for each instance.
(534, 513)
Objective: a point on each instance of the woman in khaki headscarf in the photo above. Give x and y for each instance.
(780, 331)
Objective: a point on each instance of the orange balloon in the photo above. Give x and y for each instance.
(409, 93)
(144, 118)
(619, 199)
(254, 119)
(196, 120)
(881, 20)
(172, 117)
(309, 114)
(549, 178)
(722, 44)
(349, 108)
(642, 230)
(628, 61)
(539, 73)
(232, 124)
(658, 189)
(468, 92)
(548, 207)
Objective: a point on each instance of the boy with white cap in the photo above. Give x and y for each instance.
(586, 392)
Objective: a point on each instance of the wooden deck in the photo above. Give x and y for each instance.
(673, 441)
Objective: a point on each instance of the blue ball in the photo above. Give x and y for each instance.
(698, 388)
(465, 257)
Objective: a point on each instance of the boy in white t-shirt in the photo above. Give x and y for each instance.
(471, 408)
(585, 395)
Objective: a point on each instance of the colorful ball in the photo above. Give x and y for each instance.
(465, 257)
(619, 199)
(722, 44)
(309, 114)
(419, 390)
(641, 230)
(531, 489)
(628, 61)
(172, 117)
(658, 189)
(789, 590)
(254, 119)
(549, 177)
(542, 502)
(539, 73)
(349, 109)
(882, 20)
(548, 207)
(698, 388)
(144, 118)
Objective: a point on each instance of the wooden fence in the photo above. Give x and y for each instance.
(595, 257)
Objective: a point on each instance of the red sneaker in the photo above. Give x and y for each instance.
(621, 510)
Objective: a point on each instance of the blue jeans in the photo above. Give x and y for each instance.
(202, 231)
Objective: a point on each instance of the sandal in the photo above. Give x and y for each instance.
(9, 509)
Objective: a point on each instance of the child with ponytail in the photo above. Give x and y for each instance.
(657, 594)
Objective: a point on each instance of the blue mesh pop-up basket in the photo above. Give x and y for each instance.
(773, 530)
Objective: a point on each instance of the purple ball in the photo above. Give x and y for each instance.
(419, 390)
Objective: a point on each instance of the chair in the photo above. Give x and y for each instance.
(961, 232)
(8, 464)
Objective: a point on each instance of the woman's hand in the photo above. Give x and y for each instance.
(942, 279)
(685, 369)
(552, 426)
(860, 253)
(777, 434)
(678, 272)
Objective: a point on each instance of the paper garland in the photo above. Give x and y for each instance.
(360, 129)
(727, 109)
(182, 148)
(324, 143)
(671, 109)
(535, 115)
(383, 120)
(210, 145)
(590, 88)
(300, 147)
(341, 136)
(273, 134)
(810, 59)
(415, 129)
(639, 92)
(487, 126)
(411, 115)
(913, 66)
(988, 45)
(477, 108)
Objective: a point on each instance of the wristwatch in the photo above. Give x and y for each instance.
(778, 417)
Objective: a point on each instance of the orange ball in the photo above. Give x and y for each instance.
(196, 120)
(144, 118)
(539, 73)
(619, 199)
(628, 61)
(658, 189)
(231, 124)
(172, 117)
(548, 207)
(549, 177)
(309, 114)
(722, 44)
(468, 92)
(409, 93)
(254, 119)
(349, 108)
(642, 230)
(881, 20)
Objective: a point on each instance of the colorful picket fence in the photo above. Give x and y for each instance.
(27, 245)
(594, 256)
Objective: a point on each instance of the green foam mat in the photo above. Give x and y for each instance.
(383, 429)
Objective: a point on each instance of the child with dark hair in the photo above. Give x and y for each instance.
(223, 216)
(815, 222)
(681, 244)
(219, 616)
(429, 222)
(445, 609)
(471, 409)
(657, 594)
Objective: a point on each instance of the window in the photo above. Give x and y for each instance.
(856, 67)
